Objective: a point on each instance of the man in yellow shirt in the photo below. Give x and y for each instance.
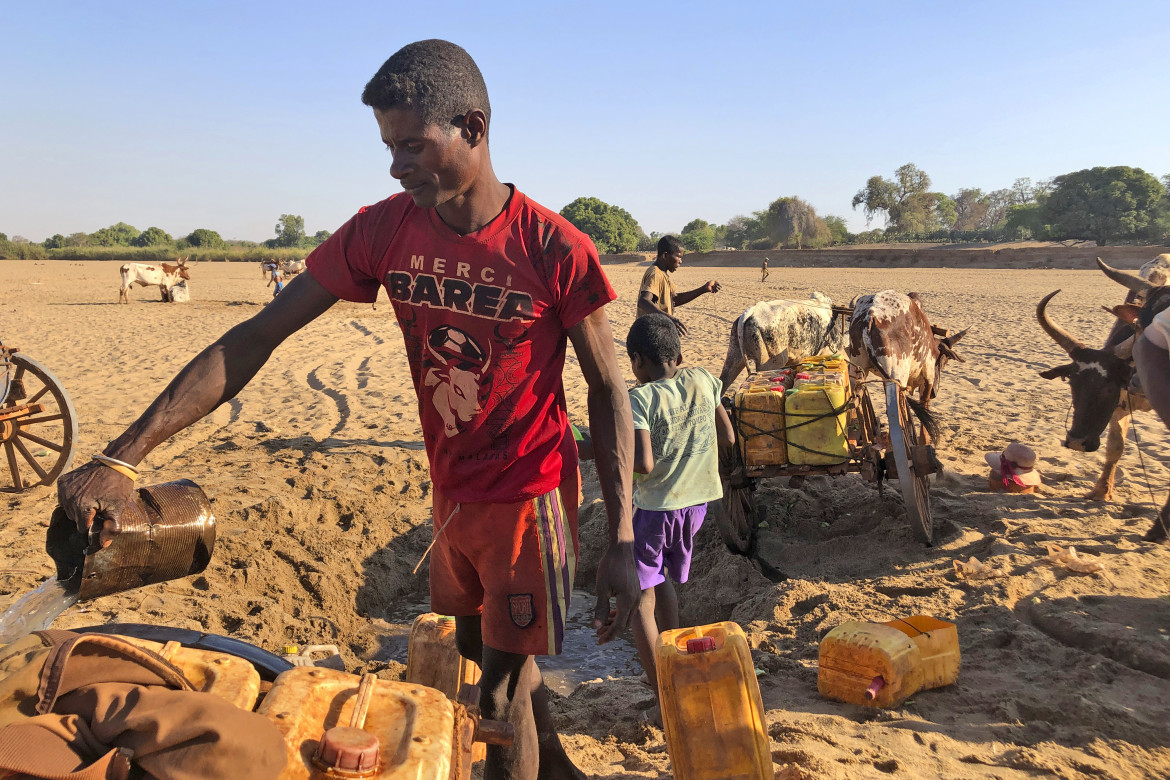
(657, 294)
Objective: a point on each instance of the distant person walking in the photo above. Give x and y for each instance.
(764, 271)
(656, 295)
(276, 277)
(678, 427)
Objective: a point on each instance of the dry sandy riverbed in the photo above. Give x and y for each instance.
(322, 489)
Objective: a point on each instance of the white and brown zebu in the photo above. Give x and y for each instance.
(891, 336)
(161, 275)
(775, 333)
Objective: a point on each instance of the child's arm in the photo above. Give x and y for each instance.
(643, 452)
(723, 428)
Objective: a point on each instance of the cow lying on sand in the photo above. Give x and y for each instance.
(891, 336)
(161, 275)
(1101, 379)
(775, 333)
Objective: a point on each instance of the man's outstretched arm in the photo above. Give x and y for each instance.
(214, 376)
(688, 296)
(612, 427)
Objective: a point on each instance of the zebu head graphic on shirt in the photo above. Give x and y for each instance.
(456, 365)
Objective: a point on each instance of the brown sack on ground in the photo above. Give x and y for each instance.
(104, 703)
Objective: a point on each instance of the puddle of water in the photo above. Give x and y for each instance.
(581, 658)
(35, 610)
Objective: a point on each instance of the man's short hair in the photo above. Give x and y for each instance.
(668, 245)
(655, 338)
(435, 78)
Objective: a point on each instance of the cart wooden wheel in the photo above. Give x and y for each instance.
(38, 426)
(913, 474)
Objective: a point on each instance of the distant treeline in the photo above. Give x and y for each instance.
(125, 242)
(1104, 205)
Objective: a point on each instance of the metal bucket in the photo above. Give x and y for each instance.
(167, 531)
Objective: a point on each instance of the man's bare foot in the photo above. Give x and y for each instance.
(555, 765)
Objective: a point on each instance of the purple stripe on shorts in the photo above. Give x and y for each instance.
(547, 511)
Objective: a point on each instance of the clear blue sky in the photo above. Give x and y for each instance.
(227, 114)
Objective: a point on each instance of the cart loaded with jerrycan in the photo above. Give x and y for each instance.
(817, 417)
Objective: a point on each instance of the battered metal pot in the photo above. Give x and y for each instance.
(167, 532)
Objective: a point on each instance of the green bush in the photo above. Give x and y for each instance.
(22, 251)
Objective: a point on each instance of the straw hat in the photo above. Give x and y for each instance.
(1015, 465)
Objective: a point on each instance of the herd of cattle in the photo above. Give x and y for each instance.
(890, 335)
(166, 277)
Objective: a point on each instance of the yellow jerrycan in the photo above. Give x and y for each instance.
(759, 417)
(815, 418)
(882, 664)
(711, 706)
(339, 725)
(433, 660)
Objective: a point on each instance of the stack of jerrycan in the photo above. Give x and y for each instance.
(711, 707)
(759, 417)
(882, 664)
(433, 660)
(814, 412)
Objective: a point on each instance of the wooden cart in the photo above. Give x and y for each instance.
(896, 452)
(38, 425)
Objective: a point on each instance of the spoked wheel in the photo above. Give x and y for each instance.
(912, 462)
(38, 426)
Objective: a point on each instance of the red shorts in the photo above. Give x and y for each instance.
(513, 564)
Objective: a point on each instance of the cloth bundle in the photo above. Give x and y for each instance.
(95, 707)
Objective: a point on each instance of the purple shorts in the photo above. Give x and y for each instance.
(663, 540)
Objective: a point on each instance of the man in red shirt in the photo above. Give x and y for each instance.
(487, 287)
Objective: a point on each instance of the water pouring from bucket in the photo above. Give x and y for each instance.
(166, 531)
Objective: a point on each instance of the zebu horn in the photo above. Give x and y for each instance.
(1058, 334)
(1131, 281)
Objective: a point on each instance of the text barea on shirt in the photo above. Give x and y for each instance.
(484, 319)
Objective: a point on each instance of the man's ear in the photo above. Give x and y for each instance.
(474, 125)
(679, 361)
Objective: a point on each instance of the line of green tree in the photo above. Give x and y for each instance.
(1105, 205)
(125, 242)
(1117, 204)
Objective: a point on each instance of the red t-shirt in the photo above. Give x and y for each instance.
(484, 317)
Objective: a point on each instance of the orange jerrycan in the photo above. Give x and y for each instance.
(882, 664)
(338, 725)
(227, 676)
(433, 660)
(711, 706)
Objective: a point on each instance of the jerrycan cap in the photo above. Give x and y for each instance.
(701, 644)
(348, 749)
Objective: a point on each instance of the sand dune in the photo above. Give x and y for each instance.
(319, 479)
